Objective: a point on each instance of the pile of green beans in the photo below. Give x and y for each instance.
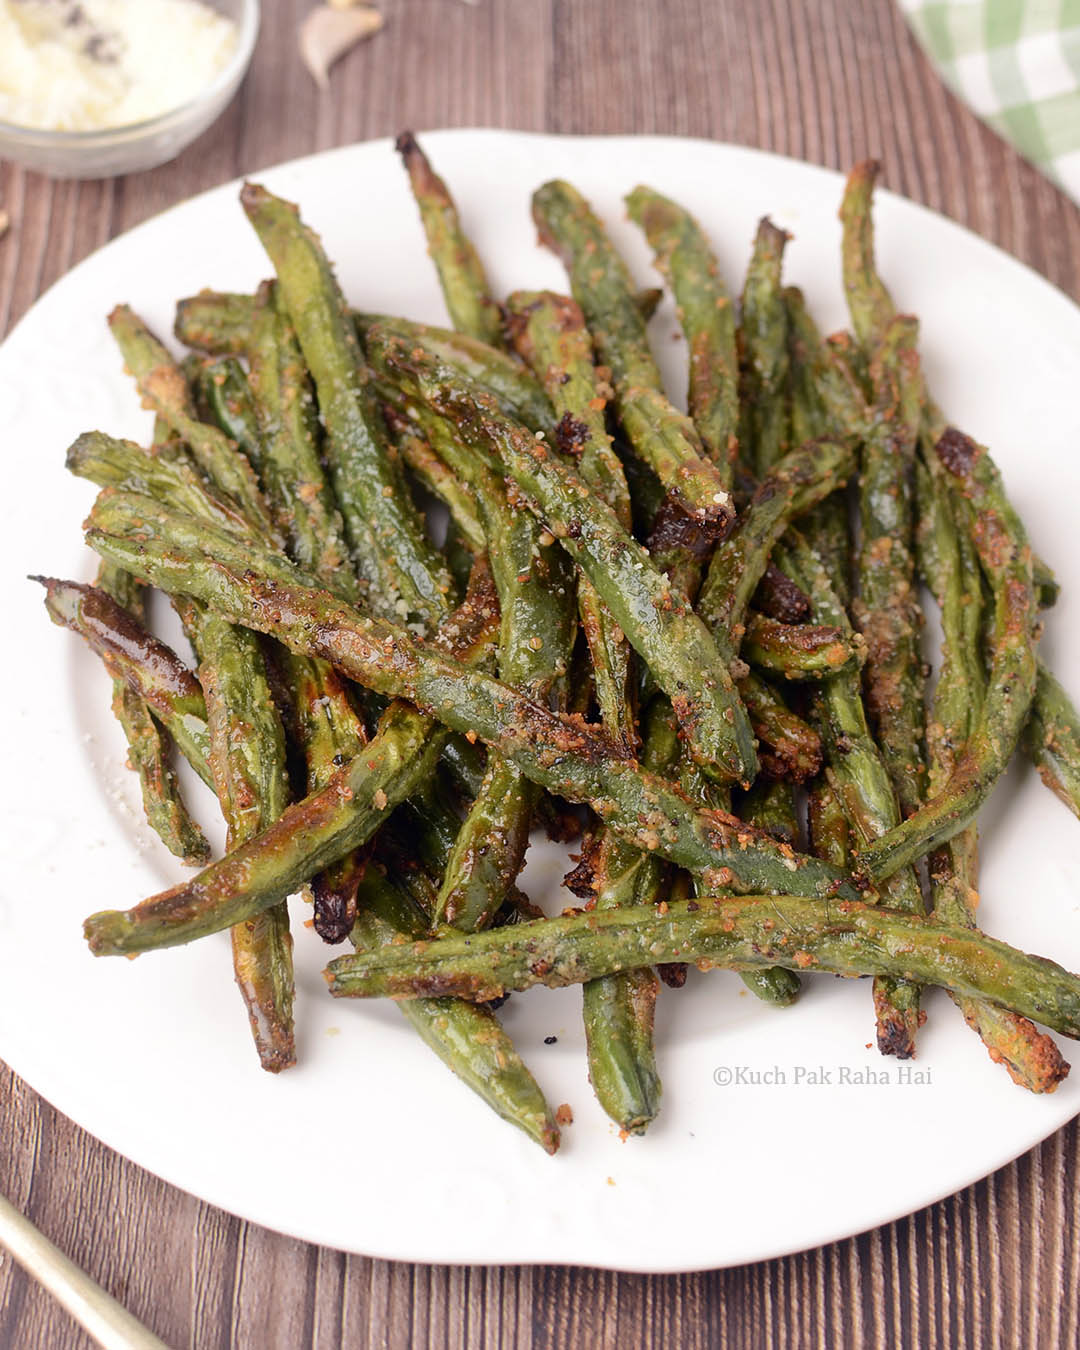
(690, 638)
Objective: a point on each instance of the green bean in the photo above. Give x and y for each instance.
(887, 610)
(872, 309)
(312, 834)
(647, 493)
(417, 450)
(763, 336)
(809, 420)
(252, 586)
(1005, 557)
(247, 745)
(1031, 1058)
(490, 848)
(222, 382)
(247, 762)
(665, 438)
(271, 421)
(830, 387)
(949, 565)
(1052, 737)
(827, 395)
(331, 730)
(827, 824)
(659, 625)
(619, 1016)
(519, 392)
(1047, 586)
(147, 742)
(770, 806)
(461, 273)
(771, 985)
(536, 599)
(285, 428)
(291, 467)
(164, 472)
(610, 666)
(798, 932)
(802, 651)
(869, 303)
(825, 401)
(549, 334)
(801, 479)
(788, 746)
(150, 669)
(707, 316)
(218, 322)
(860, 780)
(162, 384)
(305, 838)
(618, 1010)
(274, 416)
(383, 530)
(467, 1038)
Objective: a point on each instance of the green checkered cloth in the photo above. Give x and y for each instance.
(1016, 63)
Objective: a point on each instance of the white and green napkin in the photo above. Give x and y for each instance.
(1016, 63)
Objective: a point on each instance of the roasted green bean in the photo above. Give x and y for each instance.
(707, 316)
(797, 932)
(665, 438)
(388, 545)
(254, 587)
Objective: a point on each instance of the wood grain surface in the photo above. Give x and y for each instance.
(822, 80)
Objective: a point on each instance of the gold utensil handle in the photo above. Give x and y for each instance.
(111, 1325)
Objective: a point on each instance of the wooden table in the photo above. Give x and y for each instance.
(822, 80)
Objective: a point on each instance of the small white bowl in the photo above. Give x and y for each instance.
(142, 145)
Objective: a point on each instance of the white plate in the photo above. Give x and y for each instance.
(370, 1145)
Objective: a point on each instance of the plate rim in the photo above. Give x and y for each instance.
(434, 136)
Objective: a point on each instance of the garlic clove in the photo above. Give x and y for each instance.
(328, 33)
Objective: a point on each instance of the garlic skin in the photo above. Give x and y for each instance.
(330, 30)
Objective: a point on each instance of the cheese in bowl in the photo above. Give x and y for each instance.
(88, 65)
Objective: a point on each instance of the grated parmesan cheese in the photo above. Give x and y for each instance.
(84, 65)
